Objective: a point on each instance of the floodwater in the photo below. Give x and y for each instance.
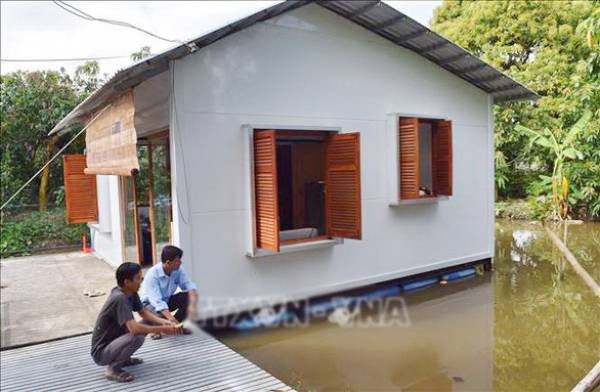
(530, 325)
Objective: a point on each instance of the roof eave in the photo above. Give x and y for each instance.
(364, 13)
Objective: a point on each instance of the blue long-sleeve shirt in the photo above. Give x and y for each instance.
(158, 287)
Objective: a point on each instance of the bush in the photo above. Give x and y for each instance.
(541, 207)
(33, 231)
(513, 209)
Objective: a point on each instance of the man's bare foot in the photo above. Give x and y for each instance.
(118, 375)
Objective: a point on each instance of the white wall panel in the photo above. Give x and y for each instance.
(310, 67)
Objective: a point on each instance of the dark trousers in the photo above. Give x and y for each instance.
(119, 350)
(178, 301)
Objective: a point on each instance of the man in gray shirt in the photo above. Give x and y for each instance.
(117, 335)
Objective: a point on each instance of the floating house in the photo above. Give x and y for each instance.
(307, 149)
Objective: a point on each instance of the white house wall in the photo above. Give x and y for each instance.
(106, 233)
(152, 104)
(151, 114)
(310, 67)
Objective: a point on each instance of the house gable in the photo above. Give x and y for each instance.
(374, 15)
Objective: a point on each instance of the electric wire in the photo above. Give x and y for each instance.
(54, 157)
(81, 14)
(62, 60)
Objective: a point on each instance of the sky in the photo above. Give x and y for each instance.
(42, 30)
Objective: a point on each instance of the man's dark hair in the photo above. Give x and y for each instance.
(127, 271)
(170, 252)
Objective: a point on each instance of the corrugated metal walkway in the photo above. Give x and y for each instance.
(196, 362)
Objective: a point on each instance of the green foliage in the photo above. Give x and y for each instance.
(546, 46)
(86, 79)
(31, 104)
(513, 209)
(26, 232)
(562, 147)
(591, 28)
(540, 207)
(141, 54)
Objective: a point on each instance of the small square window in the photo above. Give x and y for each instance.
(425, 158)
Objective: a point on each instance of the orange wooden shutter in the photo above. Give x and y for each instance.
(80, 190)
(265, 191)
(442, 158)
(408, 148)
(342, 186)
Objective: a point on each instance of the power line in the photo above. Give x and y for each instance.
(62, 60)
(81, 14)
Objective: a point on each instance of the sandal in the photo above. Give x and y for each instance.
(186, 331)
(120, 376)
(132, 362)
(156, 336)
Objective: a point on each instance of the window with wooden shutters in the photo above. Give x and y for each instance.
(265, 191)
(342, 186)
(442, 158)
(425, 158)
(306, 188)
(80, 190)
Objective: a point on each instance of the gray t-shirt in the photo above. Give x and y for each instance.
(110, 324)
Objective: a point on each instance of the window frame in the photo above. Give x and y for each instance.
(252, 250)
(393, 159)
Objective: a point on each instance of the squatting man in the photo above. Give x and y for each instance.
(117, 335)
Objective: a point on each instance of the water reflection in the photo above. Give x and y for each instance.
(529, 326)
(546, 334)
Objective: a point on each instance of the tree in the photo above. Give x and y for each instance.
(31, 104)
(561, 150)
(539, 44)
(591, 28)
(141, 54)
(86, 79)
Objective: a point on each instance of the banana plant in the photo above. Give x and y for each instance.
(562, 147)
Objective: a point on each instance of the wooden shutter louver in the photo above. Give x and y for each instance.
(80, 190)
(342, 186)
(442, 158)
(408, 149)
(265, 191)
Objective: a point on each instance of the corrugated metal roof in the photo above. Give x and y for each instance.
(195, 362)
(374, 15)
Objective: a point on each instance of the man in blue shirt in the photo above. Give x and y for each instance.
(161, 283)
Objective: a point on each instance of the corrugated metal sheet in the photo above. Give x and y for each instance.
(195, 362)
(374, 15)
(406, 32)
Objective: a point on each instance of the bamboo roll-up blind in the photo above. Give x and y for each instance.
(111, 140)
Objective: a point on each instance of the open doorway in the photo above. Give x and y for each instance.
(146, 202)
